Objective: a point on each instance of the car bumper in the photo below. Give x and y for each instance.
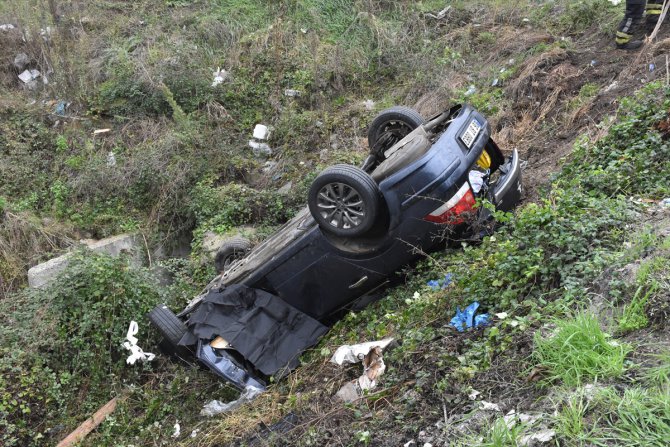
(507, 191)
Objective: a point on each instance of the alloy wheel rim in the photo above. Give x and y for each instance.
(340, 206)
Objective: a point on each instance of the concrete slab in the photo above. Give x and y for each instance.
(42, 274)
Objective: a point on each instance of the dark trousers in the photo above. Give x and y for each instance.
(633, 16)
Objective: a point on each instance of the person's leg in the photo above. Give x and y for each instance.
(630, 24)
(654, 9)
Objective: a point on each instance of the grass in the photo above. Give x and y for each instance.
(579, 351)
(638, 416)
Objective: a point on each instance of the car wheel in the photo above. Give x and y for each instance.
(171, 328)
(344, 200)
(230, 251)
(391, 126)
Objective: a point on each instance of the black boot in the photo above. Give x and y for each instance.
(629, 25)
(654, 9)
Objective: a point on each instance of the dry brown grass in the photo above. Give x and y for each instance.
(24, 241)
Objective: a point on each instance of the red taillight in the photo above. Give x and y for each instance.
(453, 211)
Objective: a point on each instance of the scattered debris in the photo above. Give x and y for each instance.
(373, 367)
(440, 284)
(652, 67)
(261, 132)
(471, 90)
(476, 179)
(665, 202)
(440, 15)
(473, 394)
(495, 82)
(489, 406)
(101, 131)
(541, 436)
(111, 159)
(502, 315)
(29, 75)
(194, 433)
(136, 352)
(215, 407)
(91, 423)
(291, 93)
(219, 76)
(369, 104)
(61, 108)
(615, 2)
(177, 430)
(594, 62)
(21, 60)
(260, 149)
(354, 353)
(6, 27)
(466, 319)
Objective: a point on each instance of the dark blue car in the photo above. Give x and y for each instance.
(417, 189)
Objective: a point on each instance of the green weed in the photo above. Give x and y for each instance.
(579, 351)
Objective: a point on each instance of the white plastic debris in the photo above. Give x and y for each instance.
(219, 76)
(615, 2)
(473, 394)
(369, 104)
(291, 93)
(111, 159)
(261, 132)
(177, 430)
(215, 407)
(136, 353)
(471, 90)
(370, 355)
(101, 131)
(194, 433)
(476, 181)
(502, 315)
(355, 353)
(6, 27)
(665, 202)
(440, 15)
(541, 436)
(489, 406)
(29, 75)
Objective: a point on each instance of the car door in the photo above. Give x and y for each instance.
(327, 285)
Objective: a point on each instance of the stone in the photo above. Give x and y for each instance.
(286, 189)
(21, 60)
(43, 274)
(348, 393)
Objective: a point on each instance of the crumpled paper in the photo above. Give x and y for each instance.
(355, 353)
(136, 353)
(370, 355)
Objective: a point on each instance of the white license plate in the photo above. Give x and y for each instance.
(468, 137)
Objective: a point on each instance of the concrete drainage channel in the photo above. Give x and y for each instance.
(43, 274)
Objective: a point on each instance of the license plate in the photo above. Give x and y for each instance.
(468, 137)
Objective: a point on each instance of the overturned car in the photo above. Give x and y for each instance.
(417, 189)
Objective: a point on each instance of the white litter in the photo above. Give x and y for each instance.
(502, 315)
(111, 159)
(489, 406)
(136, 353)
(177, 430)
(6, 27)
(541, 436)
(355, 353)
(29, 75)
(215, 407)
(291, 93)
(369, 104)
(219, 76)
(100, 131)
(615, 2)
(476, 181)
(473, 395)
(261, 132)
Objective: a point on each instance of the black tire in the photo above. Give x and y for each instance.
(168, 325)
(344, 200)
(390, 126)
(231, 250)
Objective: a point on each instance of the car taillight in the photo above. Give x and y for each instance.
(453, 211)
